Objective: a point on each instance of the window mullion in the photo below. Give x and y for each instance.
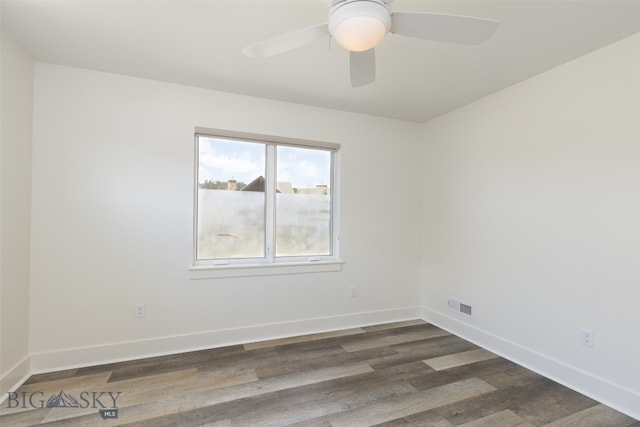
(270, 205)
(334, 197)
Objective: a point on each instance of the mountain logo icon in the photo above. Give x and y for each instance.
(62, 400)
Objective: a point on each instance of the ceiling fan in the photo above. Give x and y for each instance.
(359, 25)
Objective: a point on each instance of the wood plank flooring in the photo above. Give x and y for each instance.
(407, 373)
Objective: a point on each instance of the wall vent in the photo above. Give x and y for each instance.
(465, 308)
(455, 305)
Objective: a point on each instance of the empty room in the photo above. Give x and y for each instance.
(320, 213)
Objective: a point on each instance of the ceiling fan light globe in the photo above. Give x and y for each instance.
(360, 33)
(359, 25)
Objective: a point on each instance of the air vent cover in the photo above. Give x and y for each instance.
(465, 308)
(455, 305)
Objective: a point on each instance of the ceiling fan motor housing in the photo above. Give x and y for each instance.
(359, 25)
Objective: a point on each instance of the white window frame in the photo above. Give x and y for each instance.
(269, 264)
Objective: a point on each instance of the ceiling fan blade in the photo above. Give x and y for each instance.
(287, 41)
(443, 27)
(362, 67)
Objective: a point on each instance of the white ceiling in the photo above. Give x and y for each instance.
(198, 43)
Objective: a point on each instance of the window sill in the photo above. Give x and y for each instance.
(244, 270)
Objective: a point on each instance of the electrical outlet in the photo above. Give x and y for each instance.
(587, 337)
(140, 310)
(353, 292)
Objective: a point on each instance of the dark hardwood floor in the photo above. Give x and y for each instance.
(407, 373)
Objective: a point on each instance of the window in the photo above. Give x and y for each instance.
(262, 200)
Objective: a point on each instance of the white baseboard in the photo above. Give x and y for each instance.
(617, 397)
(15, 377)
(130, 350)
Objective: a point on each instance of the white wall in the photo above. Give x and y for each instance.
(531, 203)
(112, 222)
(15, 210)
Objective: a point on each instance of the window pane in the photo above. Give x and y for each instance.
(303, 202)
(231, 199)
